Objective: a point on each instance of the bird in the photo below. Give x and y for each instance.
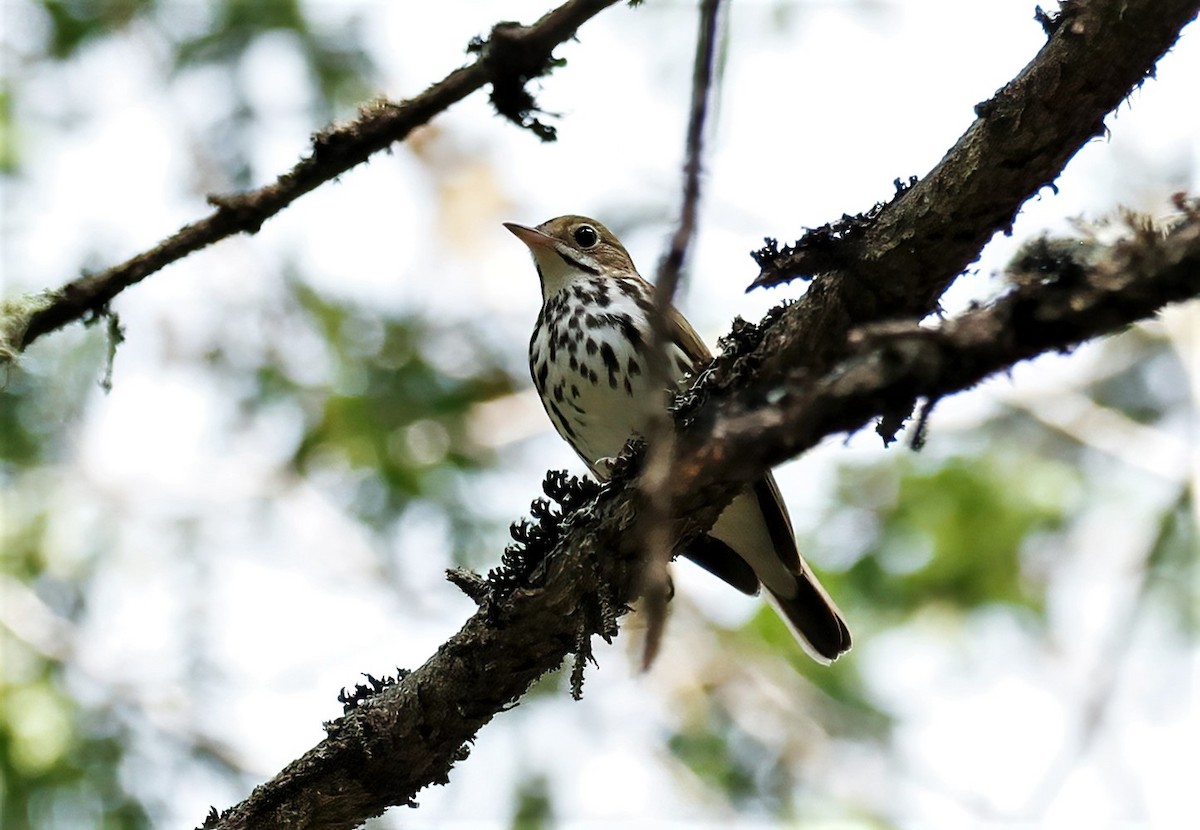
(588, 358)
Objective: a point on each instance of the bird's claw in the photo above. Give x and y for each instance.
(603, 467)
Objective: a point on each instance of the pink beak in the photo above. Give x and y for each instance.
(530, 236)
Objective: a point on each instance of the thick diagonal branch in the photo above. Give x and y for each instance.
(895, 263)
(409, 735)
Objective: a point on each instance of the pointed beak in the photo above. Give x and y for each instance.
(530, 236)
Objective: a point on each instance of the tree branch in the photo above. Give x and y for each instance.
(409, 734)
(655, 525)
(1078, 291)
(895, 261)
(511, 56)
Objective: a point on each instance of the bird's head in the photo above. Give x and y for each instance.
(571, 248)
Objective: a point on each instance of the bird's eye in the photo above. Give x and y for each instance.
(586, 236)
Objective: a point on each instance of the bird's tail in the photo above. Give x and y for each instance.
(814, 619)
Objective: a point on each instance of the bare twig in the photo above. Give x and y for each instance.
(510, 57)
(670, 269)
(656, 484)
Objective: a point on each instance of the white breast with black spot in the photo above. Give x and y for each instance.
(587, 360)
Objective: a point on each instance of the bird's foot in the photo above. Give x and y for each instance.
(603, 467)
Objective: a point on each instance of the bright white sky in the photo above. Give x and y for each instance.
(823, 105)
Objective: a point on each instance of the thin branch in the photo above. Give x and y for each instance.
(656, 482)
(511, 56)
(670, 268)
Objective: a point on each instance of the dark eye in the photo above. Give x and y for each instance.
(586, 236)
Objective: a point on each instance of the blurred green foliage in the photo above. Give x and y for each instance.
(9, 159)
(766, 637)
(336, 59)
(390, 415)
(60, 761)
(748, 773)
(19, 431)
(946, 533)
(534, 808)
(952, 534)
(1148, 383)
(217, 35)
(74, 23)
(35, 419)
(338, 65)
(60, 764)
(1172, 574)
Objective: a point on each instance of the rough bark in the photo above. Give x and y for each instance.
(897, 260)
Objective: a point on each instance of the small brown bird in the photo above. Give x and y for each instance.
(588, 360)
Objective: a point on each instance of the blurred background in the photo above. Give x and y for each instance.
(306, 427)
